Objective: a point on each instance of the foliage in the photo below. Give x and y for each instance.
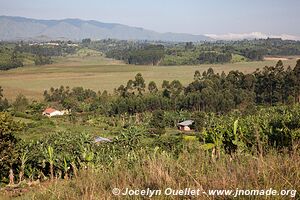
(42, 60)
(151, 54)
(199, 119)
(3, 101)
(209, 92)
(9, 58)
(9, 151)
(157, 123)
(21, 103)
(13, 55)
(164, 53)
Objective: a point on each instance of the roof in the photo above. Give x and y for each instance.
(101, 139)
(49, 110)
(186, 123)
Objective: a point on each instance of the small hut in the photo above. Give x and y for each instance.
(185, 125)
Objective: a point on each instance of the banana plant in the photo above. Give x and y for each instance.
(66, 168)
(24, 159)
(87, 156)
(237, 138)
(217, 135)
(51, 161)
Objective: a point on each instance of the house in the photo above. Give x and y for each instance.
(185, 125)
(50, 112)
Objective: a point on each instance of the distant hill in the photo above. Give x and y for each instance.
(20, 28)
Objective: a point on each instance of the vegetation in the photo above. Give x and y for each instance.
(9, 58)
(262, 145)
(3, 101)
(192, 54)
(14, 55)
(208, 92)
(246, 130)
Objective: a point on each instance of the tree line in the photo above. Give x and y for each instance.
(9, 58)
(208, 92)
(189, 53)
(147, 55)
(12, 55)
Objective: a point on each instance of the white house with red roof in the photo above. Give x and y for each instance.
(50, 112)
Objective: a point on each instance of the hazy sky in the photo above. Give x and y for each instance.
(188, 16)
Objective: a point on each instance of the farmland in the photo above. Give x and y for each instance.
(135, 159)
(244, 130)
(91, 70)
(140, 100)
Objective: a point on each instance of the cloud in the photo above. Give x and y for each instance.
(253, 35)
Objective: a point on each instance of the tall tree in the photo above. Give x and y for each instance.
(9, 152)
(157, 123)
(297, 80)
(197, 75)
(152, 87)
(3, 101)
(139, 83)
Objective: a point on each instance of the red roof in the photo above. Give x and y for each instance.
(49, 110)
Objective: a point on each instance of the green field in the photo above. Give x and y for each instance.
(91, 70)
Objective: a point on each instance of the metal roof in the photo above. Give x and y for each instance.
(186, 123)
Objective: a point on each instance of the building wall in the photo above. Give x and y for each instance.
(56, 113)
(184, 128)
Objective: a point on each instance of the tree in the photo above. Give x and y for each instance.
(166, 89)
(9, 151)
(150, 54)
(42, 60)
(130, 87)
(157, 123)
(3, 102)
(152, 87)
(15, 60)
(210, 72)
(139, 83)
(297, 81)
(199, 119)
(175, 88)
(86, 41)
(279, 63)
(20, 103)
(197, 75)
(122, 91)
(188, 45)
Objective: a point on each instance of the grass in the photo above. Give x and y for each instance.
(194, 170)
(238, 58)
(37, 129)
(91, 70)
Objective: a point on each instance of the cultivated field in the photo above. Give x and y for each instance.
(98, 73)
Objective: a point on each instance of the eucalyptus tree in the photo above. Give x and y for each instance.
(297, 80)
(152, 87)
(139, 83)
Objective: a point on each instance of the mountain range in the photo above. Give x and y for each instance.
(20, 28)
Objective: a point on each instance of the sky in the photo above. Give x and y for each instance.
(215, 17)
